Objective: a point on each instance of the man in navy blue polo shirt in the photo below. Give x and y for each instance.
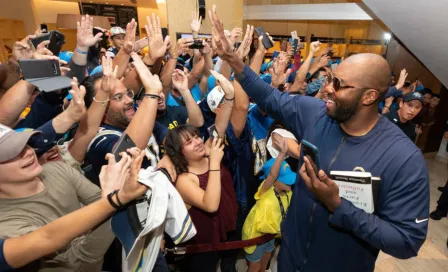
(322, 231)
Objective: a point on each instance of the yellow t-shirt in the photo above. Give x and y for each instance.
(265, 216)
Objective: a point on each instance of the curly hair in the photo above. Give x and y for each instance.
(173, 146)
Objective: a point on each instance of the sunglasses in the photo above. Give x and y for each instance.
(338, 83)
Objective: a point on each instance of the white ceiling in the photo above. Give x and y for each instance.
(140, 3)
(421, 26)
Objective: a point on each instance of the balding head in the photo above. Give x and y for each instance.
(366, 71)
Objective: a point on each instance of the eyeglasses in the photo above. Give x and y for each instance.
(338, 83)
(119, 96)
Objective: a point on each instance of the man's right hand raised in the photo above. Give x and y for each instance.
(223, 48)
(151, 82)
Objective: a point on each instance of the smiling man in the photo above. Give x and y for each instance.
(410, 107)
(322, 231)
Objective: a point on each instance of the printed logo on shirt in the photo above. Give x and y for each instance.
(260, 159)
(172, 125)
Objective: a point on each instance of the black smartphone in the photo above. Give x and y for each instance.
(57, 40)
(212, 132)
(32, 68)
(124, 143)
(97, 30)
(39, 39)
(164, 32)
(197, 44)
(43, 28)
(312, 153)
(266, 41)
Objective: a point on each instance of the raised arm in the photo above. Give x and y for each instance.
(241, 108)
(305, 67)
(142, 124)
(225, 110)
(258, 57)
(90, 123)
(85, 39)
(279, 143)
(121, 60)
(180, 82)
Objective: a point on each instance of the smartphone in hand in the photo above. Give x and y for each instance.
(312, 153)
(266, 41)
(124, 143)
(212, 132)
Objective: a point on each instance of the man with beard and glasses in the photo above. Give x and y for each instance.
(322, 231)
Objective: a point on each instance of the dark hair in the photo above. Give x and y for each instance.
(407, 84)
(436, 95)
(427, 91)
(173, 146)
(316, 74)
(89, 84)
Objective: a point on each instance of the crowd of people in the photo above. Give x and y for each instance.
(226, 126)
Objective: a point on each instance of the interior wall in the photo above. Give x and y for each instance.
(179, 15)
(20, 10)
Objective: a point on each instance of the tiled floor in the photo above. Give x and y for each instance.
(433, 256)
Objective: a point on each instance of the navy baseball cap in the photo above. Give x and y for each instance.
(413, 96)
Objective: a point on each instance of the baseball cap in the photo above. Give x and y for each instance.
(215, 97)
(413, 96)
(286, 175)
(116, 30)
(12, 143)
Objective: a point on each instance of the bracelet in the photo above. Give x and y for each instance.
(153, 96)
(118, 200)
(387, 107)
(103, 103)
(111, 202)
(81, 52)
(214, 170)
(229, 99)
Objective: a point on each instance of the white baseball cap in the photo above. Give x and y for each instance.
(215, 97)
(116, 30)
(12, 143)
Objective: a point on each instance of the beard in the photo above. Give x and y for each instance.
(344, 110)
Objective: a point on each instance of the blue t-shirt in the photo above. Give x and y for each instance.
(108, 135)
(4, 266)
(259, 123)
(397, 227)
(195, 93)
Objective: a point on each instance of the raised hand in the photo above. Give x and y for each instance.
(77, 107)
(195, 22)
(84, 34)
(280, 143)
(261, 47)
(402, 79)
(244, 48)
(315, 47)
(325, 189)
(157, 46)
(113, 175)
(182, 46)
(180, 81)
(22, 50)
(131, 188)
(42, 52)
(206, 49)
(226, 85)
(234, 34)
(129, 37)
(109, 75)
(151, 82)
(223, 47)
(277, 71)
(216, 153)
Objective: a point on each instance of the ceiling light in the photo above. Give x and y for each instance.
(161, 1)
(387, 36)
(122, 4)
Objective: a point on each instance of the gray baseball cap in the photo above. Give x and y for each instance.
(12, 143)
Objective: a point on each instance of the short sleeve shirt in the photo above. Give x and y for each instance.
(173, 117)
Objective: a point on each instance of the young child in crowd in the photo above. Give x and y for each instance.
(273, 198)
(117, 38)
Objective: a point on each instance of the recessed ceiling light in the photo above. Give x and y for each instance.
(122, 4)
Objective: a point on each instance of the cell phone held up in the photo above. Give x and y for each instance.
(212, 132)
(267, 43)
(312, 153)
(56, 38)
(124, 143)
(197, 44)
